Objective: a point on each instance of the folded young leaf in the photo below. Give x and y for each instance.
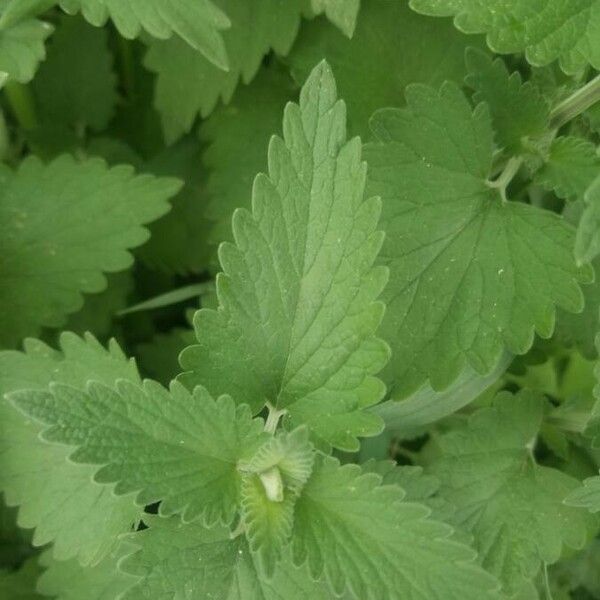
(199, 22)
(56, 497)
(518, 110)
(178, 560)
(513, 507)
(175, 447)
(76, 86)
(61, 226)
(364, 538)
(69, 580)
(545, 30)
(587, 243)
(187, 84)
(274, 479)
(372, 68)
(470, 273)
(298, 307)
(571, 167)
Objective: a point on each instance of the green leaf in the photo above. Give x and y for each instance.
(188, 84)
(587, 243)
(274, 479)
(21, 44)
(545, 30)
(99, 310)
(56, 497)
(518, 110)
(470, 273)
(391, 47)
(170, 446)
(20, 585)
(298, 306)
(76, 84)
(513, 506)
(158, 358)
(61, 226)
(363, 537)
(199, 22)
(179, 241)
(570, 168)
(171, 552)
(238, 140)
(69, 580)
(342, 13)
(586, 496)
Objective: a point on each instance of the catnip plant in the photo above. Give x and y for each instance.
(299, 300)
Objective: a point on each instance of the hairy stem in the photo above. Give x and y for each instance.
(575, 104)
(273, 418)
(504, 179)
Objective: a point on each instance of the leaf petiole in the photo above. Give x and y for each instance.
(575, 104)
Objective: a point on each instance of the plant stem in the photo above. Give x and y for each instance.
(273, 418)
(20, 100)
(503, 180)
(575, 104)
(127, 67)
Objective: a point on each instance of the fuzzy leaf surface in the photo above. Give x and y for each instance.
(297, 300)
(470, 273)
(364, 538)
(56, 497)
(62, 225)
(171, 446)
(170, 553)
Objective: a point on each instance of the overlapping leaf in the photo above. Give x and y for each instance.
(470, 273)
(69, 580)
(363, 537)
(587, 243)
(170, 446)
(76, 85)
(199, 22)
(518, 110)
(373, 68)
(56, 497)
(238, 136)
(570, 168)
(22, 38)
(546, 30)
(61, 226)
(178, 560)
(342, 13)
(188, 84)
(513, 507)
(298, 294)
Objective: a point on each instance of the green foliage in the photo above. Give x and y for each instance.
(198, 22)
(373, 360)
(96, 214)
(545, 30)
(300, 336)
